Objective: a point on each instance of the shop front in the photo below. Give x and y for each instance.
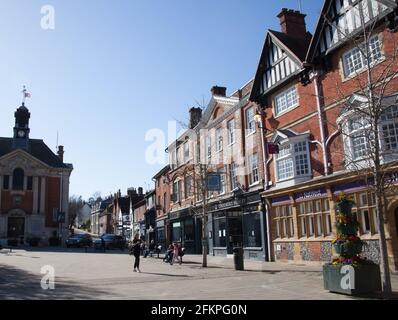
(160, 232)
(238, 222)
(303, 219)
(182, 229)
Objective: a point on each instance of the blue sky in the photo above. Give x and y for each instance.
(114, 69)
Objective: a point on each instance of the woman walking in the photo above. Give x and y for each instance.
(176, 255)
(136, 249)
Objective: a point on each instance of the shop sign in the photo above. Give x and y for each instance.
(319, 193)
(275, 201)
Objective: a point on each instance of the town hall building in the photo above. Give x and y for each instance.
(34, 187)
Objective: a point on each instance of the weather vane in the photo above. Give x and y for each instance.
(25, 94)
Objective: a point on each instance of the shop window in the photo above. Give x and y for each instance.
(252, 230)
(188, 230)
(314, 218)
(365, 212)
(283, 219)
(176, 233)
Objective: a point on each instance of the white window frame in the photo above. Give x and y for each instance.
(347, 60)
(231, 125)
(254, 174)
(291, 156)
(285, 95)
(219, 140)
(208, 146)
(234, 175)
(250, 122)
(352, 158)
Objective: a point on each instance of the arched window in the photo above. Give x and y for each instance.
(18, 179)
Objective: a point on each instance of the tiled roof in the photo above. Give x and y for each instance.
(37, 148)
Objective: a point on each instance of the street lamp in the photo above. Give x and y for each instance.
(259, 118)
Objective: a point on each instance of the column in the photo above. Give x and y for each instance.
(25, 183)
(43, 196)
(35, 195)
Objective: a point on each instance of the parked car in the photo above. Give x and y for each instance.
(111, 241)
(79, 240)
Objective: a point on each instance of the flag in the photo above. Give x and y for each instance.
(27, 95)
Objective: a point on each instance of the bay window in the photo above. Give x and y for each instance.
(293, 161)
(359, 136)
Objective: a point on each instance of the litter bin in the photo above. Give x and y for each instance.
(238, 258)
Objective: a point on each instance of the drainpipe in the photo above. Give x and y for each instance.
(321, 123)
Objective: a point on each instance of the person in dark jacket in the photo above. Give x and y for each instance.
(136, 249)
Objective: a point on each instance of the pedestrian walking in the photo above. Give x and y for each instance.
(136, 249)
(176, 256)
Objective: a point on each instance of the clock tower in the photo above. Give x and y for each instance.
(21, 129)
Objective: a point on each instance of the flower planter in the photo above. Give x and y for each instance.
(366, 279)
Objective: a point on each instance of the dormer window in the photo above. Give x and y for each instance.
(286, 100)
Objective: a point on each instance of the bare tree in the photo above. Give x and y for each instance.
(368, 121)
(76, 203)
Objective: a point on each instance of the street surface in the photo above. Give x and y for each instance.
(97, 275)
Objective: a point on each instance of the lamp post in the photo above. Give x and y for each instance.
(259, 118)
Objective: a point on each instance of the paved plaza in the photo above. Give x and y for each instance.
(97, 275)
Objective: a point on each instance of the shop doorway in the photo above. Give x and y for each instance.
(16, 228)
(235, 233)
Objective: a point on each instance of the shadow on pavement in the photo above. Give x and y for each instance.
(62, 250)
(16, 284)
(167, 274)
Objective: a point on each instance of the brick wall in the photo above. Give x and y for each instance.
(52, 199)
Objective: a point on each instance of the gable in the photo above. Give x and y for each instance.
(277, 65)
(281, 58)
(341, 18)
(217, 112)
(21, 159)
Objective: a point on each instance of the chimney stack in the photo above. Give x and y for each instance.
(140, 191)
(60, 153)
(195, 115)
(219, 91)
(293, 23)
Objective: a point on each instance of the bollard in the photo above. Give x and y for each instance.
(238, 258)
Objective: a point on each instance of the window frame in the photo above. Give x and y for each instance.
(284, 94)
(375, 60)
(292, 155)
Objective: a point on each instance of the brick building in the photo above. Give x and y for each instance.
(226, 140)
(162, 191)
(304, 83)
(34, 185)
